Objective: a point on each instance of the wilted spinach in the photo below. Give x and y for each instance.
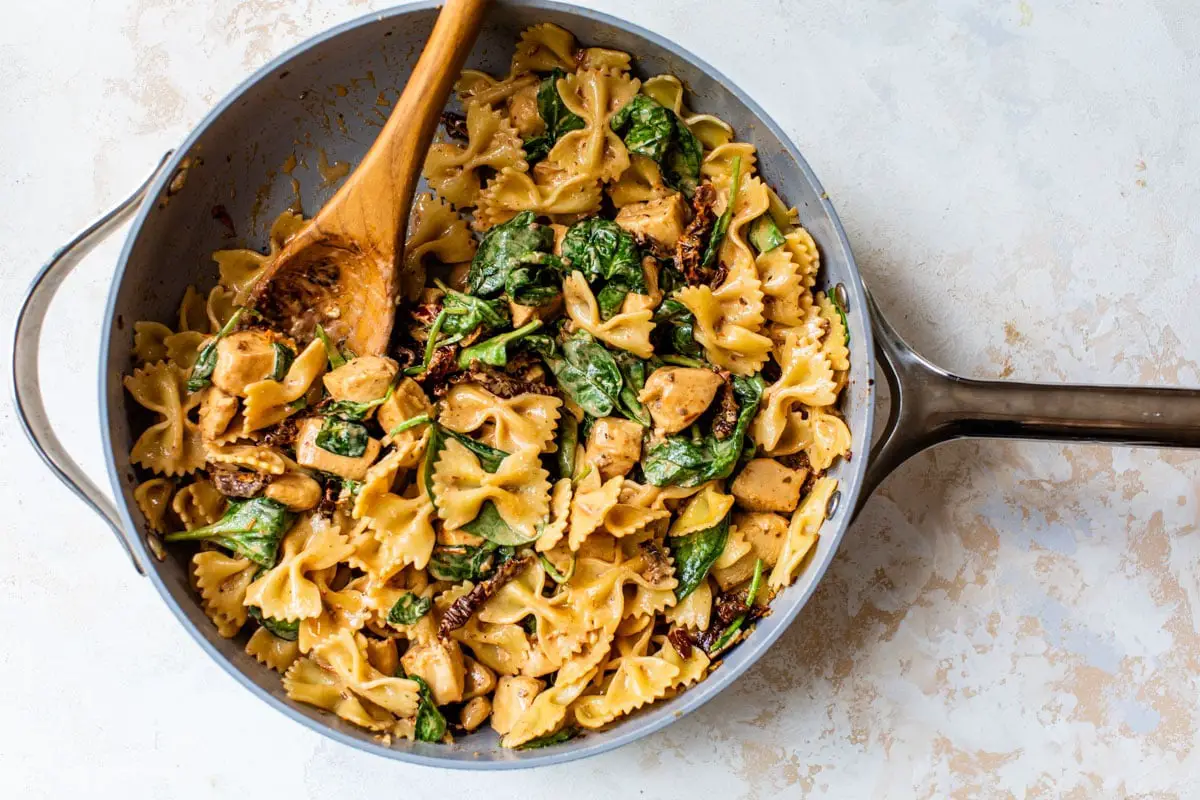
(336, 359)
(695, 553)
(721, 226)
(558, 737)
(657, 132)
(284, 356)
(585, 370)
(409, 608)
(288, 630)
(605, 254)
(675, 330)
(633, 379)
(727, 636)
(353, 410)
(469, 313)
(466, 563)
(684, 461)
(503, 249)
(554, 113)
(430, 725)
(206, 359)
(250, 528)
(568, 439)
(494, 351)
(536, 280)
(343, 437)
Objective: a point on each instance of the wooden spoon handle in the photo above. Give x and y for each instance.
(371, 208)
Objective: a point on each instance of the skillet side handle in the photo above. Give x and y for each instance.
(930, 406)
(31, 411)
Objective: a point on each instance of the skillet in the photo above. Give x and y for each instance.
(319, 99)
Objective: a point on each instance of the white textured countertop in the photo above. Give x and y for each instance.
(1019, 183)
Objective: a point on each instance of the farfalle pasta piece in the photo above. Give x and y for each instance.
(241, 269)
(150, 341)
(348, 608)
(548, 712)
(523, 596)
(695, 610)
(542, 47)
(268, 402)
(255, 457)
(628, 330)
(806, 379)
(153, 498)
(504, 648)
(595, 149)
(828, 438)
(452, 170)
(287, 590)
(193, 315)
(712, 131)
(560, 195)
(785, 300)
(437, 231)
(172, 445)
(221, 581)
(637, 681)
(802, 533)
(735, 346)
(641, 181)
(402, 532)
(590, 505)
(219, 307)
(717, 166)
(198, 504)
(604, 59)
(270, 650)
(183, 348)
(523, 422)
(519, 489)
(833, 344)
(478, 88)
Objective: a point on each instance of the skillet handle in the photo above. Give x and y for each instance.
(931, 405)
(31, 411)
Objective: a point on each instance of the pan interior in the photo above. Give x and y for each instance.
(280, 139)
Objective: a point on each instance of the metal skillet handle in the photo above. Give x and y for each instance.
(930, 406)
(26, 341)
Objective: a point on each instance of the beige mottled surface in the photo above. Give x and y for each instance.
(1018, 180)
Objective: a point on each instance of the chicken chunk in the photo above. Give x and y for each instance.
(764, 531)
(362, 379)
(523, 314)
(408, 400)
(308, 454)
(440, 664)
(738, 572)
(661, 220)
(677, 396)
(766, 485)
(514, 696)
(243, 358)
(614, 445)
(295, 490)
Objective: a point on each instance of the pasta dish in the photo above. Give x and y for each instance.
(594, 451)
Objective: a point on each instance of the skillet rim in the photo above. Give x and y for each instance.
(748, 652)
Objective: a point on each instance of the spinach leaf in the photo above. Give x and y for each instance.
(431, 725)
(633, 374)
(466, 563)
(695, 553)
(559, 576)
(536, 281)
(607, 254)
(336, 359)
(494, 351)
(491, 526)
(585, 370)
(503, 249)
(556, 116)
(721, 226)
(657, 132)
(284, 356)
(409, 608)
(727, 636)
(288, 630)
(646, 127)
(568, 439)
(356, 411)
(765, 234)
(682, 461)
(469, 313)
(206, 359)
(343, 437)
(675, 330)
(558, 737)
(250, 528)
(412, 422)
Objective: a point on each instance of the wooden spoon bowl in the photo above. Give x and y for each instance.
(340, 269)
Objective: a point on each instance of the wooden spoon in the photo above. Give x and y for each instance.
(340, 269)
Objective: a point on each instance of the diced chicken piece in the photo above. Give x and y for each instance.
(677, 396)
(614, 445)
(522, 314)
(523, 112)
(362, 379)
(308, 454)
(475, 713)
(661, 220)
(514, 696)
(243, 358)
(440, 664)
(739, 572)
(382, 655)
(766, 485)
(217, 410)
(408, 400)
(764, 531)
(295, 490)
(479, 680)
